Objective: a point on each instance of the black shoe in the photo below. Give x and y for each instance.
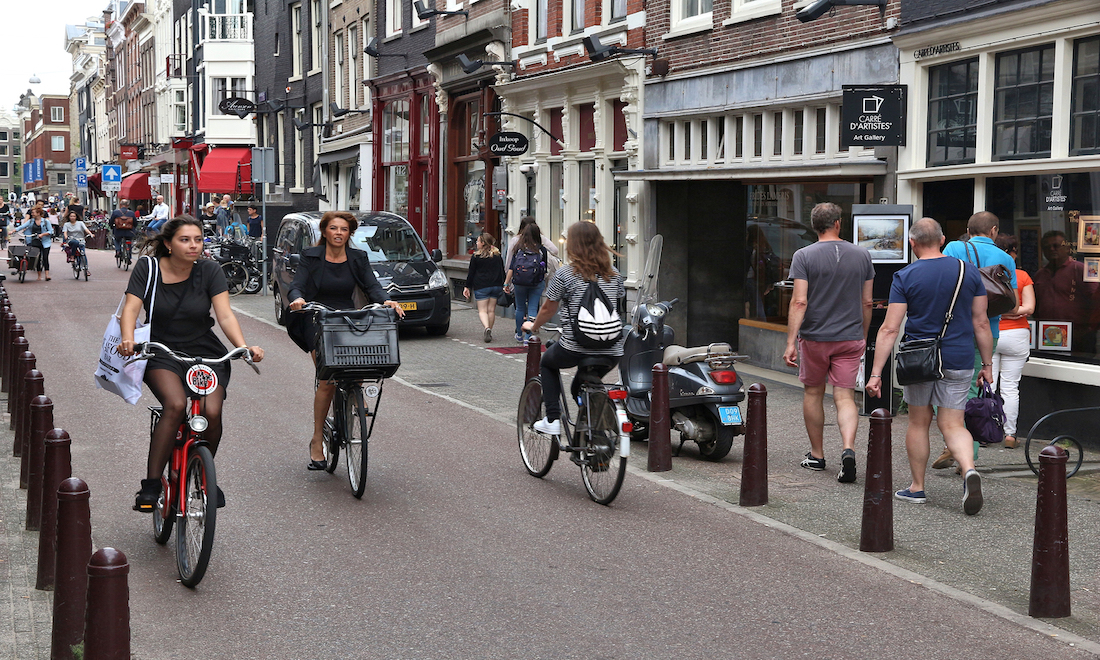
(847, 467)
(221, 498)
(317, 465)
(146, 498)
(811, 463)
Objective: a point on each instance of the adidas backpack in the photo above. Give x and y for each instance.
(529, 268)
(598, 325)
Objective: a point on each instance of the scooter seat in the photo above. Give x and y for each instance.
(677, 355)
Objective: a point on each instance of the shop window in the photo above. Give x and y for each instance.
(395, 131)
(1085, 114)
(953, 113)
(473, 196)
(587, 116)
(396, 181)
(1024, 103)
(586, 198)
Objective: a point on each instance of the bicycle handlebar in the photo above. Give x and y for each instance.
(146, 350)
(319, 307)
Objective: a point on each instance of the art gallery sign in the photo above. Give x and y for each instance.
(873, 116)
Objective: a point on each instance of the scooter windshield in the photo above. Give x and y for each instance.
(647, 292)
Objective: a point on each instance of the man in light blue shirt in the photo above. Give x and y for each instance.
(981, 251)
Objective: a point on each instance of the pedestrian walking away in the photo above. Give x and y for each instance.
(1014, 346)
(485, 281)
(924, 290)
(829, 315)
(186, 289)
(529, 265)
(329, 273)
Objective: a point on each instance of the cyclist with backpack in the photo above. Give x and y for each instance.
(529, 260)
(590, 287)
(122, 225)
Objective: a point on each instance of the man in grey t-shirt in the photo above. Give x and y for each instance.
(827, 331)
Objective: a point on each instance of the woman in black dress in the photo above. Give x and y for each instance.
(186, 289)
(329, 274)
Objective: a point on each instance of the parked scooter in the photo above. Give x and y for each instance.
(704, 389)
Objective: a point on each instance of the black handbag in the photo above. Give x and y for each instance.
(919, 360)
(1000, 296)
(506, 299)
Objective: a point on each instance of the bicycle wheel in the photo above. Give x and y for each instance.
(22, 270)
(1076, 456)
(118, 259)
(357, 431)
(195, 536)
(602, 468)
(538, 451)
(235, 276)
(76, 268)
(129, 259)
(253, 284)
(330, 445)
(163, 516)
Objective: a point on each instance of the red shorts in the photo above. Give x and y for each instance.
(836, 360)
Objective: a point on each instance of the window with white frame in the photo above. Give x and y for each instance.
(953, 113)
(691, 14)
(577, 7)
(296, 45)
(316, 15)
(338, 82)
(772, 135)
(57, 113)
(179, 107)
(3, 168)
(353, 66)
(62, 179)
(1085, 114)
(393, 17)
(618, 9)
(747, 10)
(3, 150)
(1023, 103)
(542, 17)
(3, 136)
(368, 62)
(57, 143)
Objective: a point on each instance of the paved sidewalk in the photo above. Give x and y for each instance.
(28, 612)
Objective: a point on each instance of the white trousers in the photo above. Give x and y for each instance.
(1013, 349)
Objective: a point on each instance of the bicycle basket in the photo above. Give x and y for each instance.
(357, 344)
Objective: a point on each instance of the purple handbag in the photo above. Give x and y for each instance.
(985, 416)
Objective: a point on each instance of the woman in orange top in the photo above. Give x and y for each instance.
(1014, 345)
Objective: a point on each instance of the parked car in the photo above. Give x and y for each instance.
(403, 266)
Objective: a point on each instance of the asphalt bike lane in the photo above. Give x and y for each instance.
(454, 550)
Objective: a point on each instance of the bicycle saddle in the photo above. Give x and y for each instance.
(593, 368)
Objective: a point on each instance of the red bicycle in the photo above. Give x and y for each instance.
(189, 486)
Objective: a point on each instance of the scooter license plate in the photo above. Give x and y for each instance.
(729, 415)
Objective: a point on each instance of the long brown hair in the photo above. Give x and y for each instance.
(588, 253)
(327, 219)
(530, 238)
(488, 246)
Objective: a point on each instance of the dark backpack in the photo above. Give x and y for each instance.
(529, 268)
(597, 325)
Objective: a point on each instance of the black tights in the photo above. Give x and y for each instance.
(169, 390)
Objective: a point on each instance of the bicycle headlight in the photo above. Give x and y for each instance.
(198, 423)
(438, 279)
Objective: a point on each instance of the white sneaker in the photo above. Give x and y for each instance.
(546, 426)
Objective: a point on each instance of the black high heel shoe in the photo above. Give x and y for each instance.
(317, 465)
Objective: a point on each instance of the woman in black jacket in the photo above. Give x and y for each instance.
(329, 274)
(485, 280)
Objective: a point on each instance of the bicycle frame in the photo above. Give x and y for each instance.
(174, 492)
(569, 429)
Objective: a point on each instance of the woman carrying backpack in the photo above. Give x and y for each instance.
(485, 279)
(590, 287)
(528, 263)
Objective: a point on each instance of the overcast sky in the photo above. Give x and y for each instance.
(33, 43)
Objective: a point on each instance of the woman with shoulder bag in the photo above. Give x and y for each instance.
(38, 232)
(329, 273)
(1014, 346)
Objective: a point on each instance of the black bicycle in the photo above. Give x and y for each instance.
(357, 352)
(599, 441)
(124, 253)
(80, 262)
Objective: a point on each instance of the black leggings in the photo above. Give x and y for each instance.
(43, 259)
(554, 360)
(169, 390)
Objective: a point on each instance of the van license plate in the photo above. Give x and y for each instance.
(408, 306)
(730, 415)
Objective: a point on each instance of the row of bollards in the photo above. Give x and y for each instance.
(91, 593)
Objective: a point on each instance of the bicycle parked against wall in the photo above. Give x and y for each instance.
(599, 441)
(189, 488)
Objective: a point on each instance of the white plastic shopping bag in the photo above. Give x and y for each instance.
(123, 375)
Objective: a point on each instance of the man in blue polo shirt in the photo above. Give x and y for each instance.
(981, 251)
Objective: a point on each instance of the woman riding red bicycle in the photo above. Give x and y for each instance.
(186, 290)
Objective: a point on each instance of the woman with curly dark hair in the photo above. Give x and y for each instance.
(589, 262)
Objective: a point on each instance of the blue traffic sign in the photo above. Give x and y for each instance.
(112, 173)
(81, 164)
(81, 180)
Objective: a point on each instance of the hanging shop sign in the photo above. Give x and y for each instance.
(873, 116)
(235, 105)
(508, 143)
(128, 151)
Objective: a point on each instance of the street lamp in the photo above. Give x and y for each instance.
(35, 80)
(469, 66)
(597, 52)
(337, 111)
(424, 13)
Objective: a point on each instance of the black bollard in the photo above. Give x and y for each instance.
(57, 468)
(754, 467)
(41, 419)
(7, 321)
(74, 548)
(877, 534)
(660, 424)
(1050, 554)
(534, 358)
(18, 345)
(107, 618)
(32, 387)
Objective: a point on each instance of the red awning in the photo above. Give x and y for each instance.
(227, 170)
(136, 186)
(95, 185)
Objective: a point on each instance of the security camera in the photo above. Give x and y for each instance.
(814, 10)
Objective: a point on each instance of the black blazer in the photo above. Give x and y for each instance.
(308, 276)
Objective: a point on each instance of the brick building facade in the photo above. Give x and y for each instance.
(46, 147)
